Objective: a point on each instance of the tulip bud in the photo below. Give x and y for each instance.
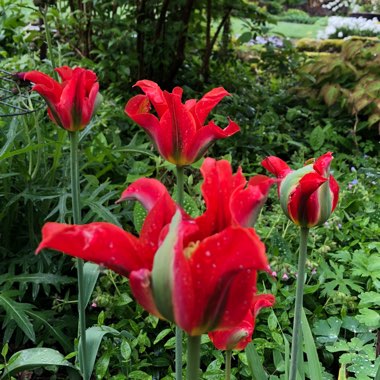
(308, 195)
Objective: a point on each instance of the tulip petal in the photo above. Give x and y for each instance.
(205, 137)
(141, 285)
(101, 243)
(203, 107)
(217, 187)
(154, 94)
(302, 210)
(223, 268)
(138, 109)
(276, 166)
(245, 204)
(322, 164)
(46, 86)
(145, 190)
(65, 72)
(177, 131)
(334, 188)
(236, 338)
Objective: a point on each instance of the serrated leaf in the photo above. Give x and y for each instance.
(368, 317)
(327, 330)
(16, 311)
(35, 358)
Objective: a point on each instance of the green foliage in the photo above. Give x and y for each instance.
(297, 16)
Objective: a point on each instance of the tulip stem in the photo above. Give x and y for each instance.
(178, 331)
(296, 339)
(193, 357)
(75, 193)
(228, 364)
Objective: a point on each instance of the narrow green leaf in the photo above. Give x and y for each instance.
(287, 356)
(254, 363)
(342, 373)
(315, 370)
(61, 338)
(37, 278)
(16, 311)
(94, 336)
(90, 275)
(34, 358)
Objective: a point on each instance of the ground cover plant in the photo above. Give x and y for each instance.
(67, 170)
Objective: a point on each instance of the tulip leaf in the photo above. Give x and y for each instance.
(34, 358)
(90, 274)
(254, 363)
(94, 336)
(315, 370)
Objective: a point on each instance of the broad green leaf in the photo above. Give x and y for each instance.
(94, 336)
(245, 37)
(317, 138)
(16, 311)
(315, 370)
(35, 358)
(90, 275)
(327, 330)
(369, 317)
(161, 335)
(139, 375)
(254, 363)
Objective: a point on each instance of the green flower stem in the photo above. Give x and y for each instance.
(75, 192)
(296, 343)
(178, 331)
(228, 364)
(193, 357)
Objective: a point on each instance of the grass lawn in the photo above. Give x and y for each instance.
(288, 29)
(293, 30)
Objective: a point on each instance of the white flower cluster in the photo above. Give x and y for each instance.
(337, 24)
(335, 5)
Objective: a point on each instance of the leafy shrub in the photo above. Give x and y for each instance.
(297, 16)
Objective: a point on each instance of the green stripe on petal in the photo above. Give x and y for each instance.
(288, 185)
(162, 273)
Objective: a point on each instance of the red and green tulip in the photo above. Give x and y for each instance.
(308, 195)
(201, 279)
(178, 129)
(71, 103)
(239, 336)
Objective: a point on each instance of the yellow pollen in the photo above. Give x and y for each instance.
(188, 251)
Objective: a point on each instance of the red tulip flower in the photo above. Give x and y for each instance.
(71, 103)
(178, 130)
(239, 336)
(201, 280)
(308, 195)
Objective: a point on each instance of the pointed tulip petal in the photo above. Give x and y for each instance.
(205, 137)
(334, 188)
(138, 109)
(141, 286)
(65, 72)
(224, 279)
(262, 301)
(208, 102)
(322, 164)
(101, 243)
(245, 204)
(145, 190)
(46, 86)
(217, 188)
(155, 95)
(276, 166)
